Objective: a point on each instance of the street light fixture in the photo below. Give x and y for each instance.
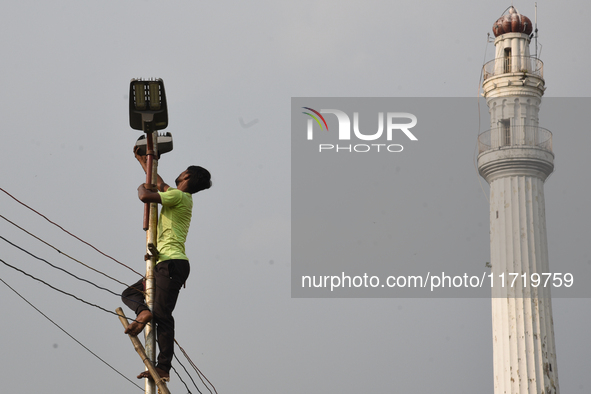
(147, 105)
(164, 144)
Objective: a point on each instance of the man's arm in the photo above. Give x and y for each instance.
(143, 160)
(146, 195)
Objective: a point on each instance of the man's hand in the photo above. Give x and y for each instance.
(146, 195)
(143, 160)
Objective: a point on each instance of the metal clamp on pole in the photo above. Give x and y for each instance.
(152, 252)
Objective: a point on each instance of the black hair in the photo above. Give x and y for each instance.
(199, 179)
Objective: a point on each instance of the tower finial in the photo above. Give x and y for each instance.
(512, 22)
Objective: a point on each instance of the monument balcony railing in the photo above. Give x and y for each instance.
(515, 136)
(513, 65)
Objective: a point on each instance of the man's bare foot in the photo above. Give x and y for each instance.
(140, 322)
(163, 375)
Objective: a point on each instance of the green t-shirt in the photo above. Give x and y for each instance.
(173, 226)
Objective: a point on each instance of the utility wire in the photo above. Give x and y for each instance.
(63, 270)
(67, 272)
(187, 372)
(68, 334)
(58, 268)
(101, 308)
(56, 289)
(105, 310)
(69, 233)
(199, 373)
(59, 251)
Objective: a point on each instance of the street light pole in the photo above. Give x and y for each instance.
(148, 112)
(151, 225)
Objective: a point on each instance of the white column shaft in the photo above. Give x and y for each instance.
(523, 335)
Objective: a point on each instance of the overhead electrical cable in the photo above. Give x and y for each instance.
(68, 334)
(58, 268)
(69, 233)
(62, 269)
(103, 309)
(187, 372)
(199, 373)
(64, 254)
(59, 251)
(59, 290)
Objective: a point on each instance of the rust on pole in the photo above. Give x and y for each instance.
(149, 170)
(160, 382)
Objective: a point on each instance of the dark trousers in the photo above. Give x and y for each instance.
(169, 276)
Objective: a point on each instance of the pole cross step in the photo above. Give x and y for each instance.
(139, 348)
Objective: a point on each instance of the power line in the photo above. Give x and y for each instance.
(105, 310)
(199, 373)
(68, 334)
(56, 289)
(181, 379)
(59, 251)
(58, 268)
(63, 270)
(69, 233)
(67, 272)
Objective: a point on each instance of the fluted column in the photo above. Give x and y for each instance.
(523, 335)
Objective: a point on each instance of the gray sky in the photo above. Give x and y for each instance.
(67, 153)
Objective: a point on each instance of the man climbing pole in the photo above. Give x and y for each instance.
(172, 268)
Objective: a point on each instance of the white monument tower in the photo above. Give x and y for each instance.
(515, 157)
